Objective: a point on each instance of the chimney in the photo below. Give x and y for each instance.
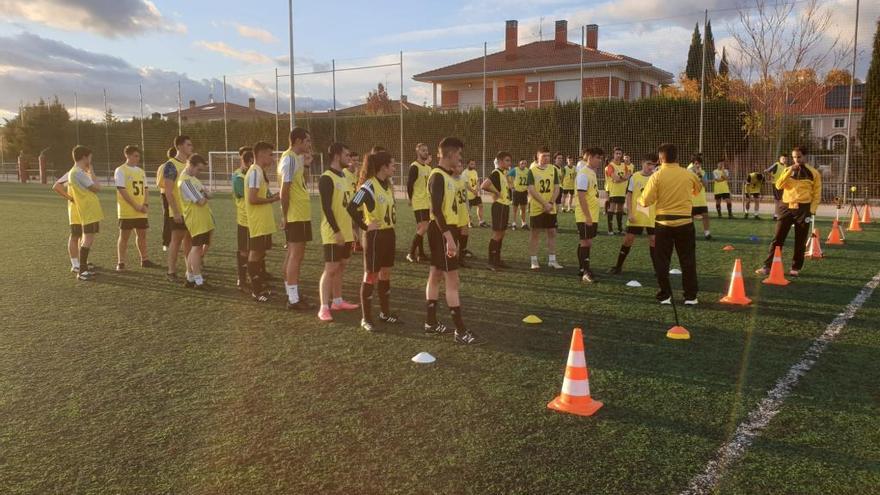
(511, 39)
(593, 36)
(252, 103)
(561, 34)
(192, 103)
(156, 116)
(403, 98)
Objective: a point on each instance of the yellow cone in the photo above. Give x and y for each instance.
(532, 319)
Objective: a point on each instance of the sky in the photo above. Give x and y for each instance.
(60, 47)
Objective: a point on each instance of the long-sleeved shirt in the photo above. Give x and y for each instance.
(671, 189)
(801, 187)
(325, 189)
(363, 197)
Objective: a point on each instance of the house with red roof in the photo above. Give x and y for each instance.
(823, 110)
(213, 112)
(543, 73)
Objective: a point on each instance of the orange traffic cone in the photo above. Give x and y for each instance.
(777, 273)
(854, 224)
(815, 251)
(728, 248)
(866, 213)
(575, 397)
(736, 293)
(834, 238)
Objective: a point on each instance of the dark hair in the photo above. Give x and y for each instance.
(420, 145)
(372, 163)
(670, 152)
(802, 149)
(558, 153)
(171, 153)
(697, 158)
(248, 156)
(542, 150)
(616, 149)
(353, 153)
(781, 155)
(128, 150)
(197, 159)
(263, 146)
(179, 140)
(651, 157)
(298, 134)
(376, 149)
(502, 155)
(80, 152)
(449, 144)
(243, 149)
(336, 149)
(472, 160)
(594, 151)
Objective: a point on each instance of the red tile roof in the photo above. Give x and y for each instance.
(395, 106)
(214, 111)
(536, 55)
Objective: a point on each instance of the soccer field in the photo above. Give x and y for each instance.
(132, 385)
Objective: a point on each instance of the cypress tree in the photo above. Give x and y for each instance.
(869, 128)
(723, 67)
(695, 56)
(710, 54)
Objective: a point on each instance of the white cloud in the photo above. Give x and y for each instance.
(247, 56)
(255, 33)
(110, 18)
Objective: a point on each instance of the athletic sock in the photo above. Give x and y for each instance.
(464, 242)
(493, 250)
(263, 271)
(415, 244)
(621, 256)
(74, 263)
(706, 233)
(292, 293)
(619, 221)
(718, 208)
(431, 316)
(256, 277)
(585, 259)
(551, 258)
(367, 301)
(385, 296)
(456, 317)
(534, 260)
(580, 258)
(198, 279)
(729, 209)
(190, 277)
(241, 265)
(610, 222)
(84, 257)
(498, 244)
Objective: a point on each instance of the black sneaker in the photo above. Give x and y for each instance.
(588, 277)
(86, 276)
(368, 326)
(411, 258)
(467, 337)
(484, 225)
(148, 264)
(438, 328)
(260, 298)
(120, 267)
(300, 305)
(708, 237)
(389, 318)
(615, 270)
(171, 277)
(201, 286)
(525, 227)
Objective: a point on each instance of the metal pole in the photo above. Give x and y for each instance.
(703, 79)
(179, 110)
(290, 63)
(225, 129)
(107, 130)
(333, 72)
(401, 114)
(485, 54)
(609, 81)
(852, 82)
(76, 115)
(581, 93)
(277, 116)
(143, 144)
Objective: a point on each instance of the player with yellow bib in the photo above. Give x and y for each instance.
(462, 184)
(83, 187)
(568, 175)
(296, 211)
(617, 175)
(132, 202)
(260, 218)
(700, 207)
(775, 172)
(586, 209)
(179, 235)
(543, 190)
(239, 199)
(417, 191)
(721, 188)
(498, 186)
(474, 192)
(197, 216)
(639, 219)
(520, 198)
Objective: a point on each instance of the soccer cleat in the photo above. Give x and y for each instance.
(524, 227)
(467, 253)
(260, 298)
(120, 267)
(300, 305)
(666, 301)
(344, 306)
(74, 269)
(708, 237)
(437, 328)
(691, 302)
(368, 326)
(171, 277)
(324, 314)
(756, 217)
(610, 232)
(555, 264)
(535, 266)
(466, 337)
(148, 264)
(587, 278)
(164, 249)
(241, 285)
(794, 273)
(615, 270)
(491, 267)
(390, 318)
(86, 276)
(763, 271)
(513, 227)
(201, 286)
(484, 225)
(411, 258)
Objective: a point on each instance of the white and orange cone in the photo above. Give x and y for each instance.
(815, 250)
(575, 397)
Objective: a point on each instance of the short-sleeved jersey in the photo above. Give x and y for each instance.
(587, 182)
(291, 169)
(449, 208)
(198, 218)
(498, 178)
(87, 205)
(171, 171)
(133, 180)
(473, 180)
(721, 186)
(420, 198)
(338, 205)
(72, 212)
(568, 176)
(384, 210)
(698, 199)
(239, 196)
(618, 170)
(544, 180)
(520, 179)
(260, 220)
(461, 183)
(635, 187)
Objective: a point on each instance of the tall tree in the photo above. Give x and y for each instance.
(838, 77)
(378, 102)
(723, 67)
(869, 128)
(695, 55)
(710, 54)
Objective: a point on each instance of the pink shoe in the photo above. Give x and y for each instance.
(344, 306)
(324, 314)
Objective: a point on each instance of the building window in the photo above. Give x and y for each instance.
(807, 125)
(838, 143)
(839, 123)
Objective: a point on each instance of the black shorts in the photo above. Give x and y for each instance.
(639, 230)
(177, 226)
(76, 230)
(90, 228)
(586, 231)
(753, 195)
(422, 215)
(568, 191)
(699, 210)
(242, 236)
(520, 198)
(202, 239)
(298, 231)
(133, 223)
(500, 216)
(617, 200)
(543, 221)
(722, 196)
(260, 243)
(337, 252)
(777, 194)
(379, 250)
(476, 201)
(437, 244)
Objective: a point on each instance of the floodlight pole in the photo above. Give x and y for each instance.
(290, 64)
(852, 83)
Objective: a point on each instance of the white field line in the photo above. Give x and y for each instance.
(759, 418)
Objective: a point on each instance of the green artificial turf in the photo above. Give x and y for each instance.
(130, 384)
